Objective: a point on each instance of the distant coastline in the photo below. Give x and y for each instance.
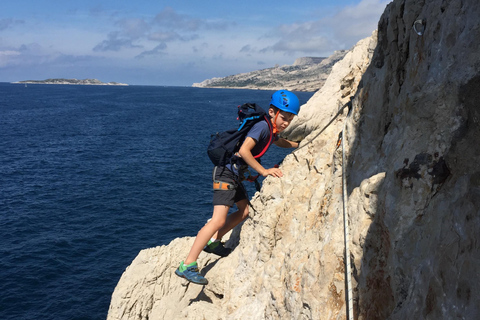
(92, 82)
(306, 74)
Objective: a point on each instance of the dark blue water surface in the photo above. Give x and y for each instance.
(91, 175)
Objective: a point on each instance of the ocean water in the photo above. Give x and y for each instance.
(91, 175)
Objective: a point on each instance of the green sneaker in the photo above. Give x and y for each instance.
(190, 272)
(217, 248)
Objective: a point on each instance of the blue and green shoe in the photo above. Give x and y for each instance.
(190, 272)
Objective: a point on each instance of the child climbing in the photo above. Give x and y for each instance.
(227, 177)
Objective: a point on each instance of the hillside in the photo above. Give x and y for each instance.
(306, 74)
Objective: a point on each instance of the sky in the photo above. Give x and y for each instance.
(176, 43)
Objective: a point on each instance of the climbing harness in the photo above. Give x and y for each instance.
(346, 231)
(220, 185)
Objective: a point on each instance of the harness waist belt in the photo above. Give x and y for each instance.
(220, 185)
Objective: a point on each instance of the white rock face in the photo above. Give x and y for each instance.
(413, 180)
(306, 74)
(308, 61)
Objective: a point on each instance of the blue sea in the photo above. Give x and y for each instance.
(91, 175)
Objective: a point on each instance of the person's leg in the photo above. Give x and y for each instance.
(233, 219)
(218, 220)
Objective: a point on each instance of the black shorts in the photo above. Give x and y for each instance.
(230, 196)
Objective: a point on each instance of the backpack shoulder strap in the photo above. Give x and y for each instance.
(269, 140)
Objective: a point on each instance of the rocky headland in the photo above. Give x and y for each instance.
(412, 162)
(93, 82)
(306, 74)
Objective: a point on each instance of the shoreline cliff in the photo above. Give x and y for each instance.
(306, 74)
(412, 164)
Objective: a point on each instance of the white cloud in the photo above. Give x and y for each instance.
(35, 55)
(7, 56)
(166, 26)
(340, 31)
(356, 22)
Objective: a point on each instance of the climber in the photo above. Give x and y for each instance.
(228, 188)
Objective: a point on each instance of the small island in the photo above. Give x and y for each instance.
(94, 82)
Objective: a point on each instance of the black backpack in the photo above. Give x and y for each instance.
(224, 145)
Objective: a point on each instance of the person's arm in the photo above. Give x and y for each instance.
(246, 153)
(284, 143)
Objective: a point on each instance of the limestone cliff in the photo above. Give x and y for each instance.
(414, 165)
(413, 180)
(306, 74)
